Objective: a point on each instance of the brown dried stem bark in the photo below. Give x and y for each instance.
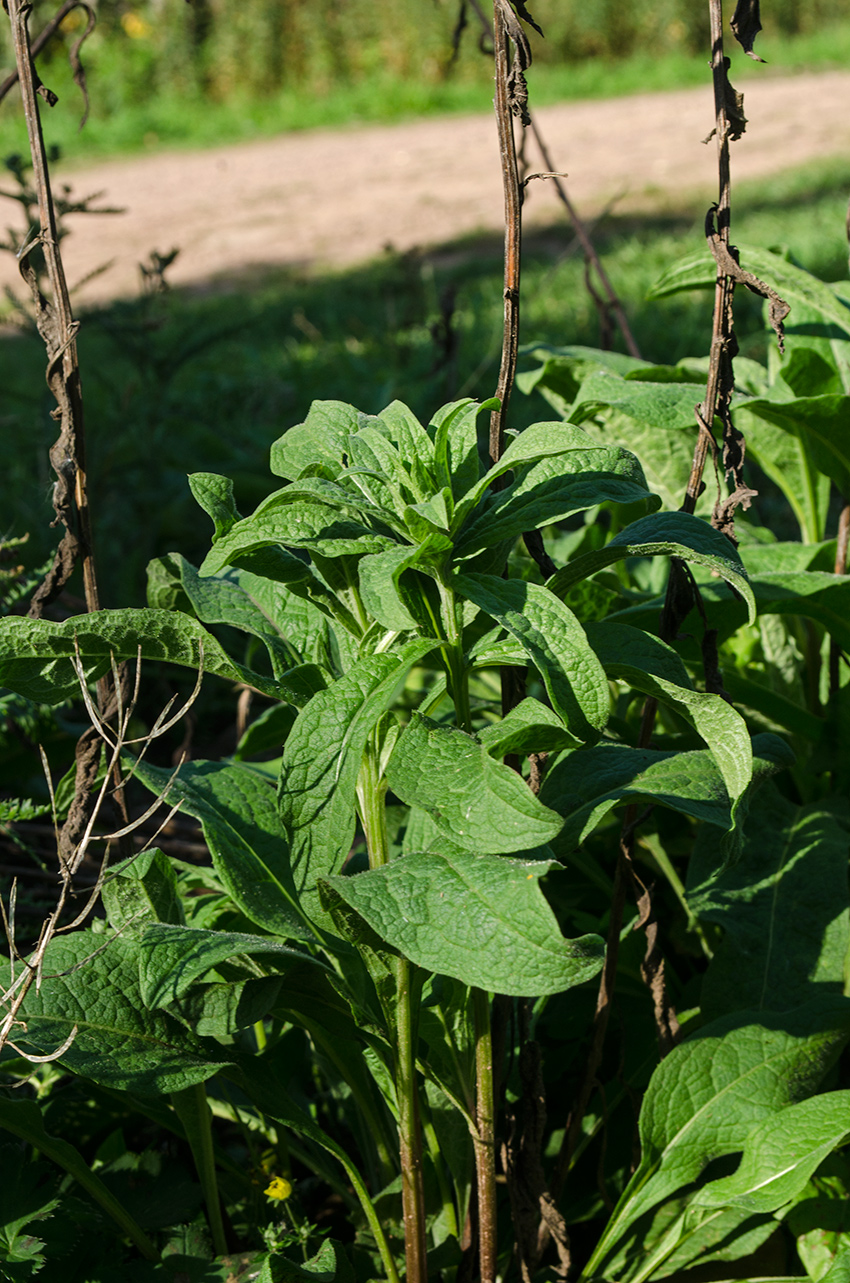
(513, 232)
(58, 329)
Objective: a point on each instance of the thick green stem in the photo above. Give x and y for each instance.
(194, 1113)
(484, 1139)
(410, 1131)
(371, 792)
(456, 671)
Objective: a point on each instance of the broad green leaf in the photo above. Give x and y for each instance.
(481, 919)
(380, 575)
(35, 654)
(783, 907)
(173, 958)
(430, 518)
(215, 495)
(304, 524)
(584, 785)
(649, 405)
(480, 804)
(456, 457)
(554, 641)
(783, 457)
(709, 1093)
(293, 630)
(564, 369)
(666, 534)
(238, 809)
(91, 980)
(530, 727)
(705, 1235)
(376, 467)
(23, 1118)
(794, 284)
(820, 423)
(219, 1010)
(651, 666)
(552, 489)
(539, 441)
(142, 889)
(323, 755)
(782, 1153)
(655, 420)
(321, 439)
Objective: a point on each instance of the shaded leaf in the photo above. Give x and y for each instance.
(237, 808)
(666, 534)
(783, 907)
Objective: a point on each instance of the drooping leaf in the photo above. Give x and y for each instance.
(293, 630)
(666, 534)
(478, 803)
(709, 1093)
(530, 727)
(783, 907)
(584, 785)
(782, 1153)
(783, 457)
(238, 810)
(820, 423)
(308, 524)
(91, 981)
(323, 755)
(793, 283)
(554, 641)
(651, 666)
(481, 919)
(35, 654)
(172, 958)
(746, 24)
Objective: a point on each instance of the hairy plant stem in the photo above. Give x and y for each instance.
(456, 671)
(371, 791)
(484, 1139)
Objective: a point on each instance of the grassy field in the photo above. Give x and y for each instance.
(118, 125)
(206, 381)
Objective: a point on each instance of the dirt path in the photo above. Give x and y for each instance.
(337, 197)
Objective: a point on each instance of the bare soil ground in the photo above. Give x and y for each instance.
(330, 198)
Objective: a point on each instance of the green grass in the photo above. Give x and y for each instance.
(117, 126)
(206, 381)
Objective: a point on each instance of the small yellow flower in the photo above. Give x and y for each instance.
(135, 26)
(279, 1189)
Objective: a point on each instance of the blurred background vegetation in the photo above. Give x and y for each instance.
(167, 71)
